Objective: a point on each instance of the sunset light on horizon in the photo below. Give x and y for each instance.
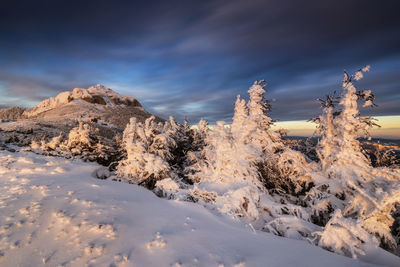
(390, 127)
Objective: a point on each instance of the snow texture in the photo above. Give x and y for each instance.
(54, 213)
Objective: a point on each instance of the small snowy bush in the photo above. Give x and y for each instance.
(82, 141)
(148, 151)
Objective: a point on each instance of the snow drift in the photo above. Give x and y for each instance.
(54, 213)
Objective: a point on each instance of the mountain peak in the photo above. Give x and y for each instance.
(95, 95)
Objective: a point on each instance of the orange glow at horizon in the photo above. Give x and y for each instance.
(390, 127)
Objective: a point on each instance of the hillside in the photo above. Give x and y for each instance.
(53, 212)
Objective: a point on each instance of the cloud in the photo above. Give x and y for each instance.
(28, 90)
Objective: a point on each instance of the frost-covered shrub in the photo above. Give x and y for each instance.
(154, 152)
(344, 236)
(195, 156)
(225, 172)
(81, 142)
(187, 141)
(167, 188)
(148, 149)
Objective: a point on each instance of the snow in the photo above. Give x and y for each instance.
(63, 98)
(53, 212)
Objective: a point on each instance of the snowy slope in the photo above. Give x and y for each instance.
(53, 212)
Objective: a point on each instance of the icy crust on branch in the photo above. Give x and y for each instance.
(98, 94)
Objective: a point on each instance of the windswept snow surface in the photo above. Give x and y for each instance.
(53, 212)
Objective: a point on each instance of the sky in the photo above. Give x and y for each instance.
(191, 58)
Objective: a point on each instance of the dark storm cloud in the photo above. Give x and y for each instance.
(193, 57)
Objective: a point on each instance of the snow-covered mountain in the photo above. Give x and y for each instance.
(96, 102)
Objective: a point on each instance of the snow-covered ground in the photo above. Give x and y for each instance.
(53, 212)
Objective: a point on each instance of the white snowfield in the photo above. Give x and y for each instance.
(54, 213)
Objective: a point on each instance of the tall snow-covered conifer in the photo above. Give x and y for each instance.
(240, 117)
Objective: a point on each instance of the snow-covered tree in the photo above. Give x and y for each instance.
(81, 138)
(183, 137)
(238, 162)
(195, 156)
(348, 182)
(227, 178)
(240, 116)
(147, 153)
(326, 129)
(258, 122)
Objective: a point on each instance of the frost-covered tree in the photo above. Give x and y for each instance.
(258, 122)
(147, 153)
(239, 119)
(348, 182)
(227, 178)
(196, 155)
(281, 169)
(184, 138)
(237, 163)
(347, 125)
(340, 129)
(326, 128)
